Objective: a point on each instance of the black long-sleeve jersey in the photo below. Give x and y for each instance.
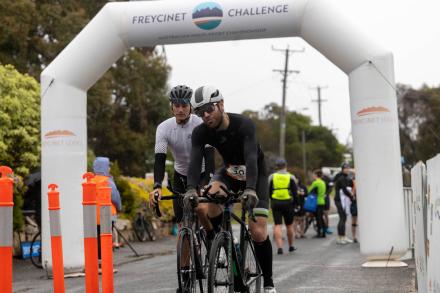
(237, 145)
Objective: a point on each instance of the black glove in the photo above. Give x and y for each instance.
(249, 199)
(190, 198)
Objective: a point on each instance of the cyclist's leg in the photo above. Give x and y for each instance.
(262, 243)
(210, 215)
(179, 187)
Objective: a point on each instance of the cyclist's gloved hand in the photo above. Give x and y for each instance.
(190, 198)
(249, 199)
(155, 195)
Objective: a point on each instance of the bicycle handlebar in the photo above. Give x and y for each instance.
(230, 198)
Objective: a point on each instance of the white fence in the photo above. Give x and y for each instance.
(423, 221)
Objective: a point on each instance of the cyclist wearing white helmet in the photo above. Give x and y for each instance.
(234, 137)
(175, 133)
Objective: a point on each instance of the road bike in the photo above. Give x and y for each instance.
(142, 224)
(310, 221)
(192, 250)
(233, 266)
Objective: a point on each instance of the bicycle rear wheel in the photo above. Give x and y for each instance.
(251, 268)
(307, 223)
(36, 251)
(139, 228)
(220, 273)
(150, 230)
(186, 267)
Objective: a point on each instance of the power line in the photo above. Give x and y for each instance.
(285, 72)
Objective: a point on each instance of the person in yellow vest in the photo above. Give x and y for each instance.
(101, 168)
(283, 191)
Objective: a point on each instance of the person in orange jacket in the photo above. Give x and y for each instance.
(101, 168)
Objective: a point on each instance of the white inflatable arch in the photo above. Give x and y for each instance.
(121, 25)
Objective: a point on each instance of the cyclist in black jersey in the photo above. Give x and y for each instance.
(234, 137)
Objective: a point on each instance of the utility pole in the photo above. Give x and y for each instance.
(303, 142)
(319, 101)
(285, 73)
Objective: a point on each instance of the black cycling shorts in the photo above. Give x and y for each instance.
(179, 188)
(262, 208)
(282, 209)
(354, 208)
(327, 202)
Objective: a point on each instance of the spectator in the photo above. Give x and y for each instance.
(328, 190)
(343, 192)
(354, 211)
(318, 186)
(101, 168)
(282, 188)
(299, 214)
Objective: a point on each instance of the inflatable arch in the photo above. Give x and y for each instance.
(121, 25)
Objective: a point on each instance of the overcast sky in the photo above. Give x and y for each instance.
(243, 70)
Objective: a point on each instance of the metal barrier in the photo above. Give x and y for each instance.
(424, 218)
(432, 228)
(409, 217)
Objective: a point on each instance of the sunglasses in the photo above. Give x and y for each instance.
(208, 108)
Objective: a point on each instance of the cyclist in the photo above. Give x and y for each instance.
(283, 191)
(175, 133)
(234, 137)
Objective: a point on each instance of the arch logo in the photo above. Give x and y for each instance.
(207, 15)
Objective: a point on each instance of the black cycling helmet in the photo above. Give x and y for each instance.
(345, 165)
(280, 163)
(181, 94)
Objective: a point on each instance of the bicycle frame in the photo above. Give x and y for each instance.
(244, 233)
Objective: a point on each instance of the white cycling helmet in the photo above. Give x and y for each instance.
(204, 95)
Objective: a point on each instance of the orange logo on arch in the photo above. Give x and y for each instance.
(372, 110)
(59, 133)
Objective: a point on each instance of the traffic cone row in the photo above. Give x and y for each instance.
(6, 205)
(93, 196)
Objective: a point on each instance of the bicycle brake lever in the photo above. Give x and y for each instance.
(156, 205)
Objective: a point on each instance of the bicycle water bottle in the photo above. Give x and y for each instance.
(237, 249)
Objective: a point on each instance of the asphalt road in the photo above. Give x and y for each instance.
(319, 265)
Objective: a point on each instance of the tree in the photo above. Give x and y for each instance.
(123, 116)
(419, 118)
(123, 107)
(19, 120)
(19, 129)
(322, 147)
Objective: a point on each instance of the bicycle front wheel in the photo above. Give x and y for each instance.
(220, 273)
(36, 251)
(251, 268)
(186, 267)
(201, 251)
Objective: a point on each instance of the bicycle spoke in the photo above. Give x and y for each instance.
(185, 264)
(251, 269)
(220, 270)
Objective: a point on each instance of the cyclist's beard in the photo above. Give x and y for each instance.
(220, 123)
